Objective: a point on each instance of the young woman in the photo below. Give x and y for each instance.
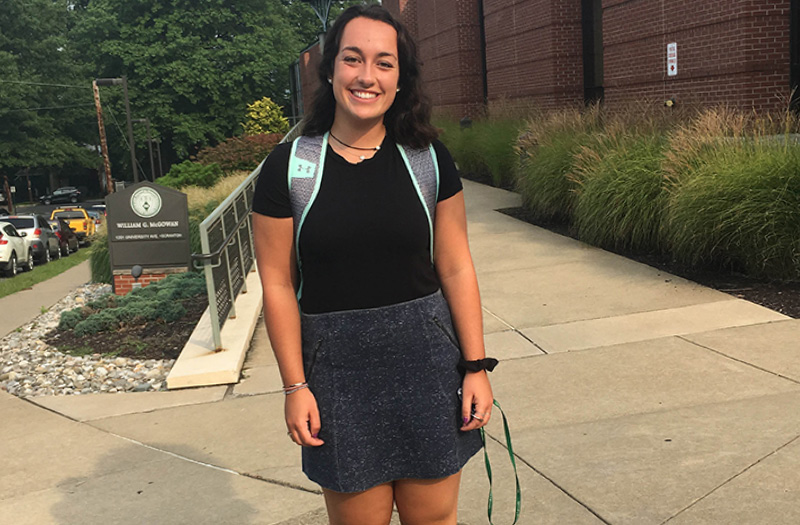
(382, 354)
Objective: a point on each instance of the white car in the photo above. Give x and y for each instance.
(40, 238)
(14, 252)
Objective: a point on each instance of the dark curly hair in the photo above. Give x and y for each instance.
(408, 119)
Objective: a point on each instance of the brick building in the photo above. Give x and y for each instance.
(556, 53)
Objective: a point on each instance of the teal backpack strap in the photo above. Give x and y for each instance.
(304, 177)
(423, 167)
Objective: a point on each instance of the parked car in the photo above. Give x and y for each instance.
(40, 237)
(13, 251)
(67, 240)
(99, 208)
(65, 194)
(98, 219)
(78, 219)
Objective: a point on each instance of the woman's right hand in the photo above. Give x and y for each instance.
(302, 418)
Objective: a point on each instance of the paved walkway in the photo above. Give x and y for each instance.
(19, 308)
(635, 397)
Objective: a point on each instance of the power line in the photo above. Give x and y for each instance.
(125, 139)
(50, 107)
(42, 84)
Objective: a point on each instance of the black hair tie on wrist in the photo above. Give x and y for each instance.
(487, 364)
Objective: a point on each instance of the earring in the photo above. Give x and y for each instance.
(398, 90)
(330, 80)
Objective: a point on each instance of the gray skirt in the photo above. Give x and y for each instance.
(386, 384)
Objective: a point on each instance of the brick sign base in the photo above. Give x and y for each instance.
(123, 280)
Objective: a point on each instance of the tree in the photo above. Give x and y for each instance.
(305, 22)
(192, 67)
(44, 125)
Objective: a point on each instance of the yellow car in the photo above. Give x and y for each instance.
(78, 220)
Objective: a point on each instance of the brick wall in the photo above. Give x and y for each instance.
(534, 52)
(124, 281)
(405, 11)
(309, 62)
(448, 38)
(729, 51)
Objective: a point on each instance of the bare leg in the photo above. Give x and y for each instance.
(427, 501)
(370, 507)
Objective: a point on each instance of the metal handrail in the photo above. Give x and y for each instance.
(201, 257)
(210, 261)
(290, 135)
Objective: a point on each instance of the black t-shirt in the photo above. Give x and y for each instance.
(365, 241)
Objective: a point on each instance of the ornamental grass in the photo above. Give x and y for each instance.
(733, 184)
(546, 150)
(485, 149)
(717, 188)
(620, 197)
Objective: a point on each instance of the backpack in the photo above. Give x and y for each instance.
(306, 163)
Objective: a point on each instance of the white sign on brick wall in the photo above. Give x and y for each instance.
(672, 59)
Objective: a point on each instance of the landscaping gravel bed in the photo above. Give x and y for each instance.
(29, 367)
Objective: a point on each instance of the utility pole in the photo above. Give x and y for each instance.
(7, 190)
(103, 143)
(158, 149)
(131, 143)
(28, 176)
(146, 122)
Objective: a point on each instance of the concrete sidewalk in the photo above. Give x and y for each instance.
(634, 396)
(19, 308)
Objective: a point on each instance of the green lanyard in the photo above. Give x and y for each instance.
(489, 467)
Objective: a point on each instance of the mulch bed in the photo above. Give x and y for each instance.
(151, 340)
(781, 296)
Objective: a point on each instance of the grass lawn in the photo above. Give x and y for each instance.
(23, 280)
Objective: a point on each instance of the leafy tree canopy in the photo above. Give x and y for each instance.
(192, 67)
(42, 124)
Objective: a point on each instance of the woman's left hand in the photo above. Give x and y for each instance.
(476, 400)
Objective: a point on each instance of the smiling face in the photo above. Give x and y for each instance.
(365, 73)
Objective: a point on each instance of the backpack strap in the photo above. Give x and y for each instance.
(304, 177)
(423, 167)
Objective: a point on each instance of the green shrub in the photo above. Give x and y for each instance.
(542, 177)
(240, 153)
(739, 208)
(189, 173)
(161, 300)
(547, 149)
(70, 318)
(104, 301)
(265, 116)
(486, 149)
(497, 146)
(621, 198)
(95, 323)
(169, 311)
(462, 146)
